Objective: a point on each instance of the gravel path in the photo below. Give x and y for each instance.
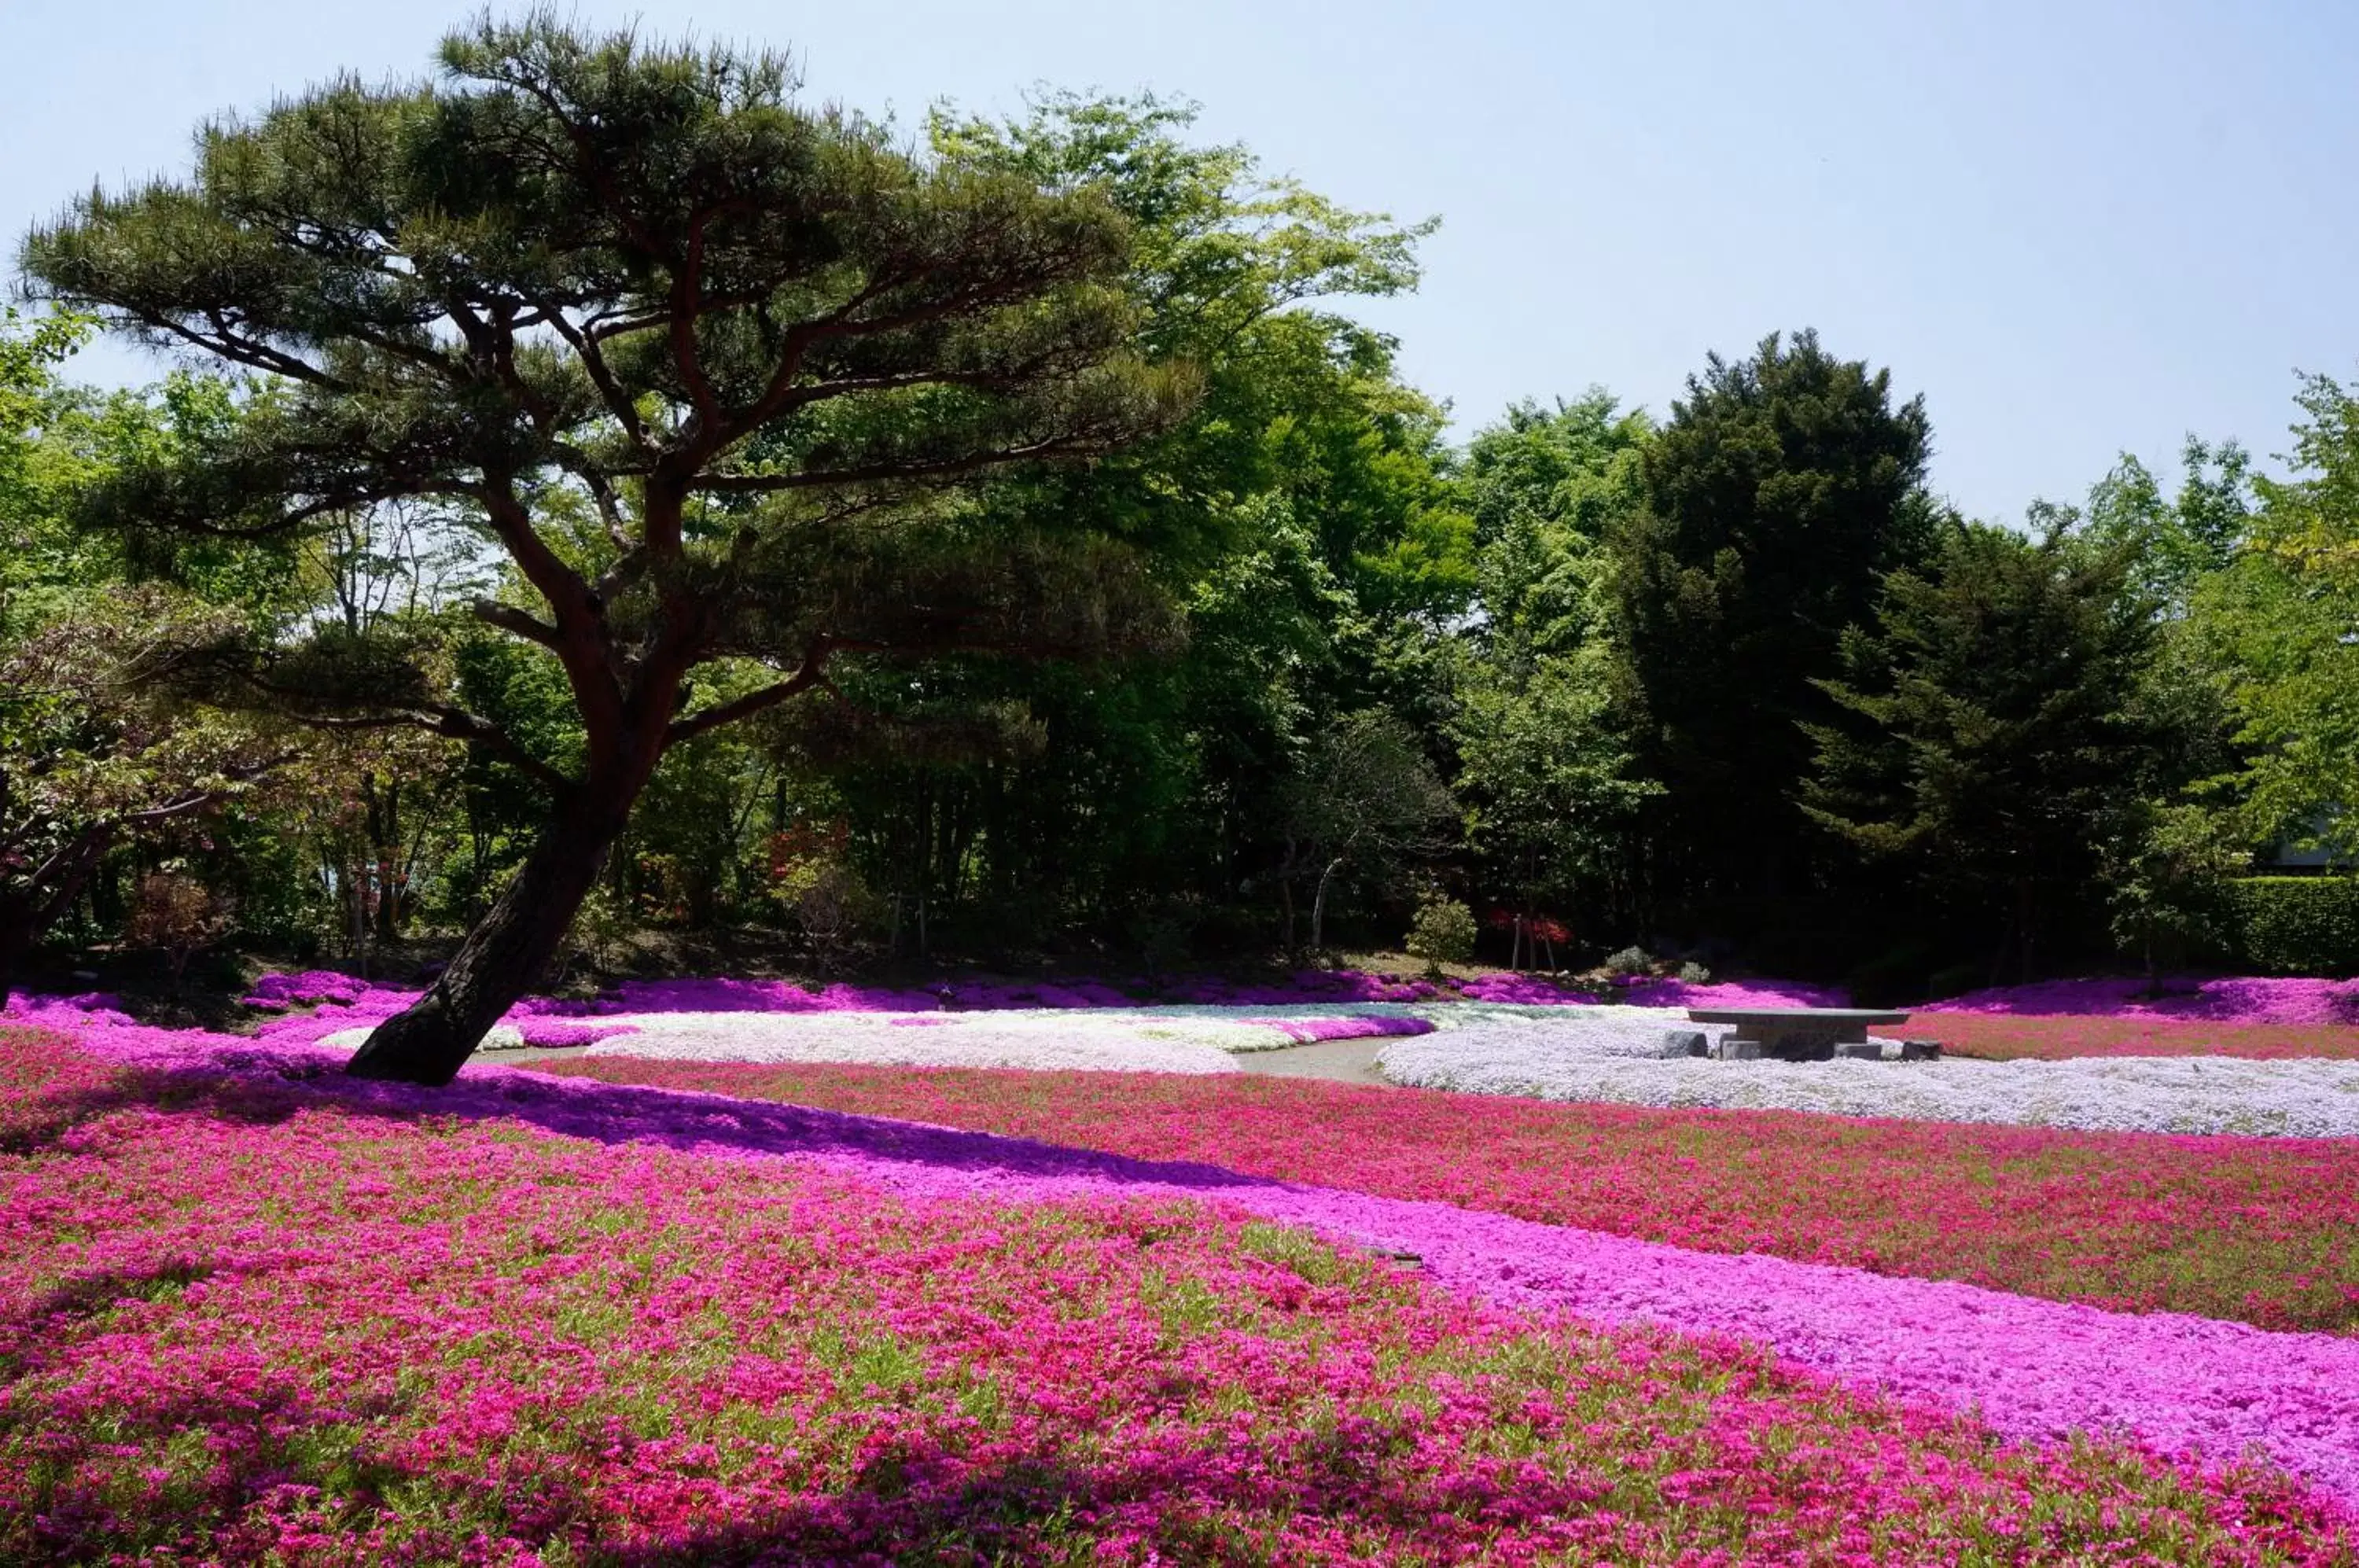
(1343, 1061)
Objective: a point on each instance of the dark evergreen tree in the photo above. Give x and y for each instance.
(1776, 498)
(1999, 739)
(706, 366)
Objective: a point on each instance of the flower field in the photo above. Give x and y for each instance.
(657, 1302)
(2249, 999)
(2256, 1230)
(253, 1314)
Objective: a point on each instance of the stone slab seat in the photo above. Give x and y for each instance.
(1794, 1034)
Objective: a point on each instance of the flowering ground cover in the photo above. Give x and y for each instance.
(2119, 1094)
(1307, 988)
(248, 1314)
(2008, 1037)
(2249, 999)
(2259, 1230)
(1131, 1039)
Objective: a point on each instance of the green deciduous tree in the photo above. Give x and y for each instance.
(709, 367)
(1315, 548)
(2279, 627)
(1366, 799)
(1544, 763)
(97, 751)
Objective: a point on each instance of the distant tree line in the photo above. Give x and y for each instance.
(601, 494)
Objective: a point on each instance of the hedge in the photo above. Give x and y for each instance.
(2297, 925)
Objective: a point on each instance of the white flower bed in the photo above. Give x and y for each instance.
(1115, 1041)
(2122, 1093)
(502, 1037)
(1181, 1037)
(1511, 1032)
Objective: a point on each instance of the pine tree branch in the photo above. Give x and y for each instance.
(878, 472)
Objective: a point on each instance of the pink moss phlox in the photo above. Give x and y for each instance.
(1737, 993)
(1527, 990)
(253, 1312)
(2250, 1000)
(2034, 1369)
(309, 986)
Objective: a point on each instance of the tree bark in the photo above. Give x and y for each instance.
(1319, 907)
(505, 952)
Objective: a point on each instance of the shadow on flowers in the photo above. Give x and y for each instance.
(262, 1086)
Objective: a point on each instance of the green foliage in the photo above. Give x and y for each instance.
(1781, 492)
(1562, 467)
(2297, 925)
(1996, 741)
(2167, 878)
(1544, 762)
(2275, 629)
(1443, 932)
(2175, 543)
(1365, 800)
(99, 754)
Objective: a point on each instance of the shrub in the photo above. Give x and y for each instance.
(177, 915)
(598, 935)
(1443, 932)
(834, 907)
(1630, 961)
(1695, 974)
(2297, 925)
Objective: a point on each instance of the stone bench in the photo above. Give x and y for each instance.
(1800, 1034)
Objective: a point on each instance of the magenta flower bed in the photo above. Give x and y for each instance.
(251, 1310)
(543, 1030)
(2034, 1369)
(1737, 994)
(2249, 1000)
(1531, 990)
(1308, 986)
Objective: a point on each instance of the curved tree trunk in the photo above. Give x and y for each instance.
(505, 953)
(1319, 907)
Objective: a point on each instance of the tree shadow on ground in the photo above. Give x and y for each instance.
(921, 1500)
(266, 1086)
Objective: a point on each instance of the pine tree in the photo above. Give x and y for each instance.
(715, 371)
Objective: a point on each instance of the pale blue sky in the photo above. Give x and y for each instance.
(2078, 227)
